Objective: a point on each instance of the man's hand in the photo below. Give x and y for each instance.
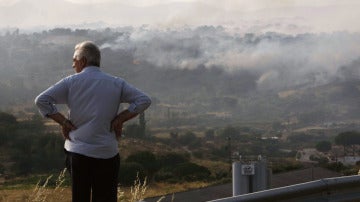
(119, 120)
(116, 126)
(66, 127)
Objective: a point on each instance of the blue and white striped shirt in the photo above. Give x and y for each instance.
(93, 99)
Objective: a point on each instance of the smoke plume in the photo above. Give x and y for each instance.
(279, 60)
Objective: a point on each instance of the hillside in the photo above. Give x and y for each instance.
(202, 76)
(333, 102)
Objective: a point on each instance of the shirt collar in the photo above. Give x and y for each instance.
(90, 69)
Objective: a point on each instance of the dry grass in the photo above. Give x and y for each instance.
(137, 192)
(16, 195)
(124, 193)
(161, 189)
(42, 193)
(213, 166)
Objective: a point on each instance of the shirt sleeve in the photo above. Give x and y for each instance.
(138, 100)
(56, 94)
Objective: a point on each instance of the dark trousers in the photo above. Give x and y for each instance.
(93, 177)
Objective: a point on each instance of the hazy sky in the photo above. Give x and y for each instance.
(290, 16)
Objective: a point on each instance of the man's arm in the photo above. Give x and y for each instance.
(120, 119)
(46, 103)
(138, 101)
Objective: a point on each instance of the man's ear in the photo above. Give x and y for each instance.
(83, 62)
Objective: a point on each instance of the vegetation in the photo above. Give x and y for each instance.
(147, 160)
(285, 165)
(214, 95)
(129, 172)
(201, 119)
(137, 130)
(323, 146)
(348, 138)
(29, 147)
(178, 156)
(44, 192)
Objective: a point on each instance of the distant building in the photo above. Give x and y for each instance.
(349, 160)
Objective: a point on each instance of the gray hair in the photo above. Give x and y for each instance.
(90, 51)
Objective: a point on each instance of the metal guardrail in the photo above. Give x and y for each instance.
(328, 189)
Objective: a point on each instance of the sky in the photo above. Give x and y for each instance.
(287, 16)
(162, 36)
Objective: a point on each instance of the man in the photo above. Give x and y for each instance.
(94, 124)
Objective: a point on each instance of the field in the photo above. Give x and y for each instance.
(209, 147)
(157, 189)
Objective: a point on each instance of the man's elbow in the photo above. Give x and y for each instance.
(140, 105)
(148, 101)
(37, 100)
(41, 100)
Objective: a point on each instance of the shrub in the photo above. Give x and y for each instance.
(337, 166)
(164, 174)
(191, 172)
(148, 160)
(284, 165)
(2, 169)
(129, 171)
(323, 146)
(7, 119)
(198, 154)
(172, 159)
(134, 130)
(187, 138)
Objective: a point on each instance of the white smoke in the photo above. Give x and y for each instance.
(279, 60)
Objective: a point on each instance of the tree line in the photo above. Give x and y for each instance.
(29, 149)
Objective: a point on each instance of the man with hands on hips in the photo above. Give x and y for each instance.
(94, 125)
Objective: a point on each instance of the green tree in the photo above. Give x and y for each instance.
(147, 159)
(128, 172)
(22, 154)
(2, 169)
(48, 152)
(134, 130)
(8, 125)
(169, 162)
(174, 135)
(191, 172)
(323, 146)
(29, 147)
(142, 124)
(349, 138)
(277, 125)
(210, 134)
(187, 138)
(230, 131)
(172, 159)
(35, 125)
(7, 119)
(220, 153)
